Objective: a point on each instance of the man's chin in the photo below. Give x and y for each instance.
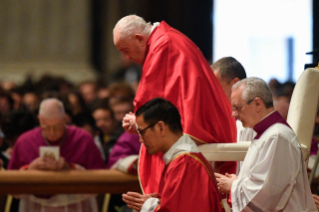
(150, 152)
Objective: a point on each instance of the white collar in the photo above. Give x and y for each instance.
(183, 144)
(156, 24)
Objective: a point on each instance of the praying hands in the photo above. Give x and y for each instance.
(224, 182)
(135, 200)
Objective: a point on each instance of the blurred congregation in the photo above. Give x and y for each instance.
(86, 104)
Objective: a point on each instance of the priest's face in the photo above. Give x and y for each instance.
(242, 110)
(148, 135)
(52, 128)
(133, 47)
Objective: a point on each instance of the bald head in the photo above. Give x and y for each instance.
(130, 37)
(51, 108)
(130, 25)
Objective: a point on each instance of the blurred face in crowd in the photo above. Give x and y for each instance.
(120, 109)
(4, 105)
(104, 121)
(88, 92)
(31, 101)
(75, 103)
(52, 128)
(17, 100)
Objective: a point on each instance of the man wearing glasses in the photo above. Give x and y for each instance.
(160, 130)
(273, 176)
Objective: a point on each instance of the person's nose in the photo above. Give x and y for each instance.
(128, 57)
(234, 114)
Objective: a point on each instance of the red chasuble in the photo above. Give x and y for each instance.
(175, 69)
(188, 184)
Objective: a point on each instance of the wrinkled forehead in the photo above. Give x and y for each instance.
(52, 121)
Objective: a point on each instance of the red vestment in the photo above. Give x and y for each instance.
(175, 69)
(188, 184)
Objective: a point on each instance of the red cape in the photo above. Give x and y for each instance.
(177, 189)
(175, 69)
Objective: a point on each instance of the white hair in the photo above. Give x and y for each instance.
(51, 108)
(132, 24)
(255, 87)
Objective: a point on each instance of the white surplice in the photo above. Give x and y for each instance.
(273, 176)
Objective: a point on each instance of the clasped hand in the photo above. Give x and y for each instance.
(224, 182)
(135, 200)
(49, 164)
(129, 123)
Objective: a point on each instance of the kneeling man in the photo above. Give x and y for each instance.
(273, 176)
(187, 182)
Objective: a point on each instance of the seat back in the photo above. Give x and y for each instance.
(303, 108)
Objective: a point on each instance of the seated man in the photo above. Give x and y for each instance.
(160, 129)
(273, 176)
(77, 151)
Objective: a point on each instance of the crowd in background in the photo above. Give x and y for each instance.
(91, 105)
(19, 106)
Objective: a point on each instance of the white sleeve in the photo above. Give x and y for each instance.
(125, 163)
(150, 204)
(265, 181)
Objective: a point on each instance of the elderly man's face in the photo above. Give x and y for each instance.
(242, 110)
(133, 48)
(52, 129)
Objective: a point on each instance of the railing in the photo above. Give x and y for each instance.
(66, 182)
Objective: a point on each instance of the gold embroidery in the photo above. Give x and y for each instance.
(196, 158)
(195, 138)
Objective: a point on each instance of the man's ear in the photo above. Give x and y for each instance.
(65, 119)
(162, 127)
(235, 80)
(141, 39)
(258, 103)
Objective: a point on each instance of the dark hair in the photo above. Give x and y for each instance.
(5, 94)
(17, 122)
(229, 69)
(159, 109)
(102, 104)
(82, 119)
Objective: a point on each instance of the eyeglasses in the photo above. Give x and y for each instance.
(140, 132)
(238, 108)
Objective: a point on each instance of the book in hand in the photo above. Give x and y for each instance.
(50, 151)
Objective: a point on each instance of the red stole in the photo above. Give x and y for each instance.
(188, 184)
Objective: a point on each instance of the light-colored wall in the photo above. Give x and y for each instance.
(45, 36)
